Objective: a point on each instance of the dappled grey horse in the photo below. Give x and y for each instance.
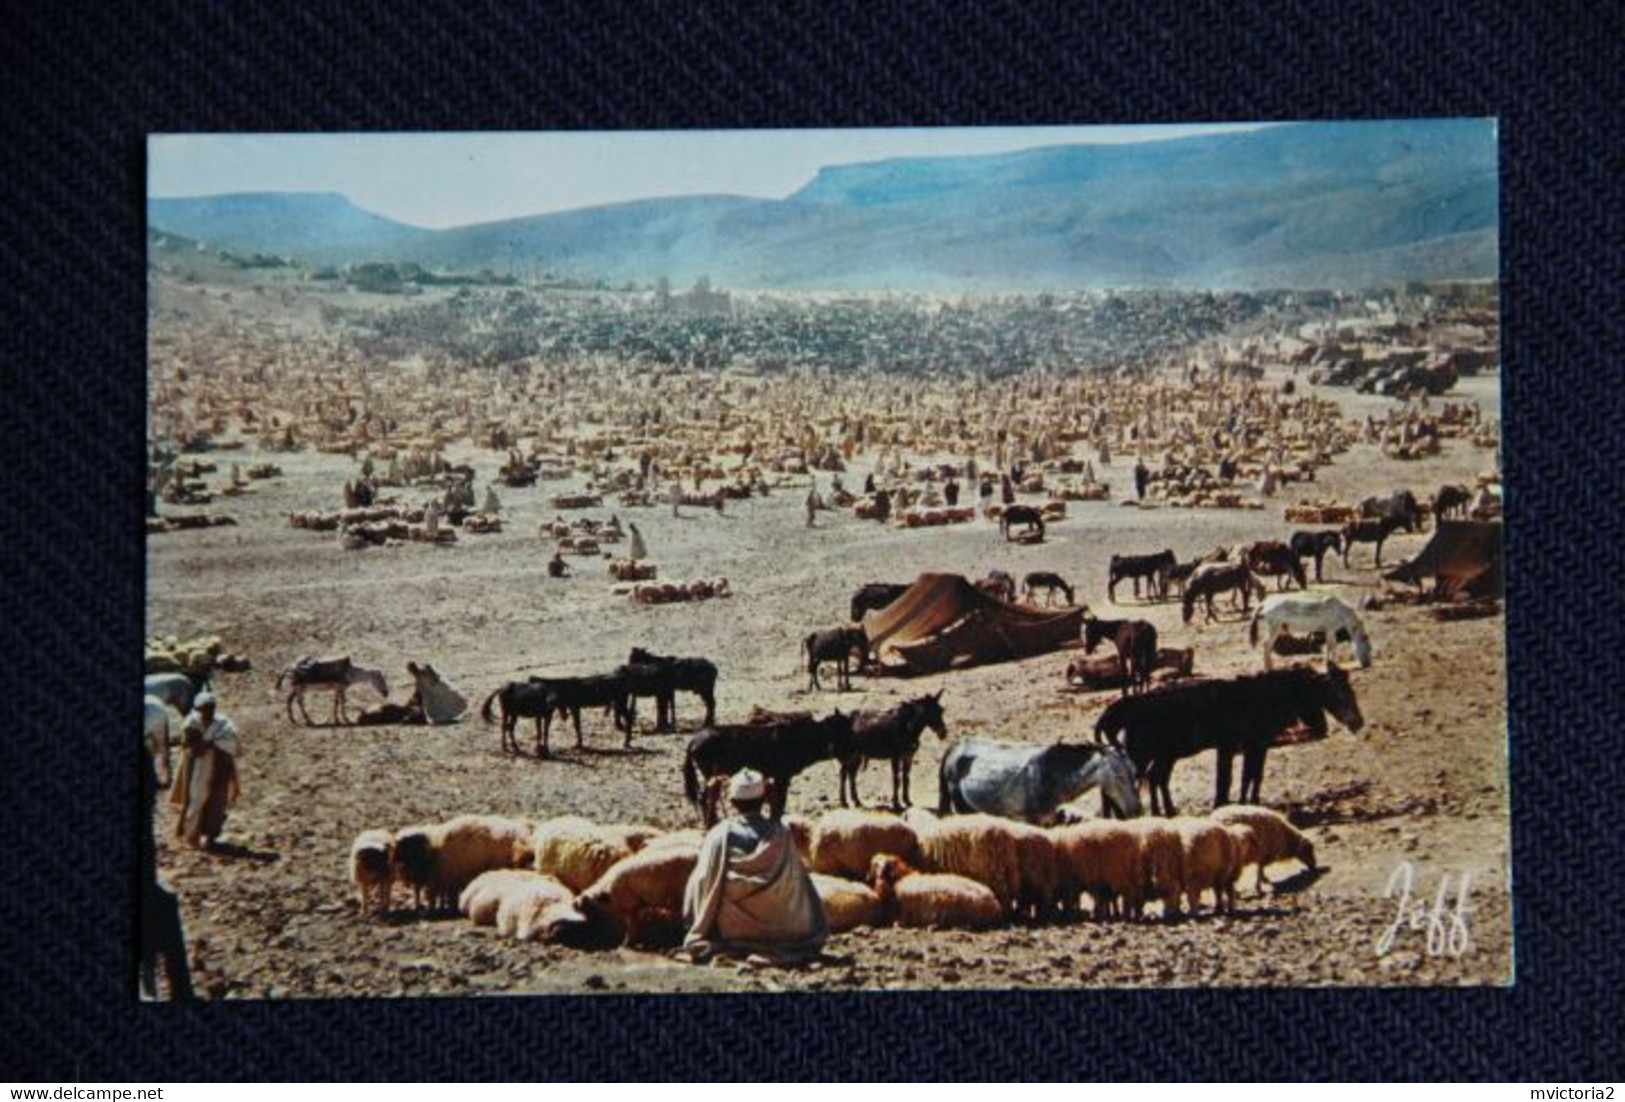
(1031, 782)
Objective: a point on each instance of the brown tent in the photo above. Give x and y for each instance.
(943, 622)
(1463, 555)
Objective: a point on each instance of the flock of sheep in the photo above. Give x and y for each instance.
(588, 885)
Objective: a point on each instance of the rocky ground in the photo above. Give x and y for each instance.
(1423, 786)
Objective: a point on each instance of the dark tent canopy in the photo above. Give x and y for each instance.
(1464, 556)
(943, 622)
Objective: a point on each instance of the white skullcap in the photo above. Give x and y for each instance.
(201, 699)
(747, 784)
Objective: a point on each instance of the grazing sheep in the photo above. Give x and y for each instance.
(1244, 852)
(523, 911)
(848, 904)
(439, 860)
(981, 847)
(1208, 863)
(1040, 871)
(1275, 838)
(578, 852)
(370, 870)
(485, 893)
(642, 895)
(1162, 863)
(1103, 859)
(943, 900)
(846, 841)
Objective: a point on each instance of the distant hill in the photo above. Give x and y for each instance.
(1306, 205)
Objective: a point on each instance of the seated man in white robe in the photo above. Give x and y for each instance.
(750, 894)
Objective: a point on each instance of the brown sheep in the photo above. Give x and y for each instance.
(848, 904)
(941, 900)
(1208, 862)
(1040, 871)
(642, 895)
(578, 851)
(1276, 839)
(439, 860)
(371, 870)
(845, 842)
(1103, 859)
(1162, 863)
(981, 847)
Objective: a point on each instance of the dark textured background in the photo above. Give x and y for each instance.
(81, 88)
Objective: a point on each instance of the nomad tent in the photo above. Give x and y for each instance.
(943, 622)
(1464, 556)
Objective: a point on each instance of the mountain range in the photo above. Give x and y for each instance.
(1344, 204)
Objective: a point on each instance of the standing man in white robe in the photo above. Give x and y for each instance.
(207, 783)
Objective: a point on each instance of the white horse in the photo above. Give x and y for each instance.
(1308, 612)
(328, 675)
(155, 737)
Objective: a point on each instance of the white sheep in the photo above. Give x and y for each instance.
(578, 851)
(848, 904)
(371, 870)
(1102, 858)
(528, 906)
(1208, 862)
(942, 900)
(485, 893)
(845, 842)
(1276, 839)
(642, 895)
(438, 860)
(980, 847)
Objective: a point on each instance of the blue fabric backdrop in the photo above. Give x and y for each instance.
(83, 85)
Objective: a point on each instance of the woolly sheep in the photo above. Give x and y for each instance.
(932, 899)
(439, 860)
(1276, 839)
(1244, 852)
(980, 847)
(848, 904)
(523, 911)
(846, 841)
(370, 870)
(578, 852)
(1103, 859)
(1208, 862)
(1162, 860)
(642, 893)
(485, 893)
(1040, 871)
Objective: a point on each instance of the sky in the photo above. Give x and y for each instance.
(439, 180)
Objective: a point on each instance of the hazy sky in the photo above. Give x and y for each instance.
(454, 179)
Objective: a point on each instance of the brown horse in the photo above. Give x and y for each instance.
(1221, 578)
(1274, 558)
(1136, 642)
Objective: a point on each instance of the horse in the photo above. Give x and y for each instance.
(1452, 500)
(689, 675)
(328, 675)
(1153, 568)
(1032, 517)
(1243, 714)
(1302, 613)
(1369, 531)
(1179, 575)
(1136, 642)
(1272, 557)
(518, 699)
(835, 645)
(1314, 545)
(999, 585)
(893, 734)
(175, 689)
(1218, 578)
(1031, 783)
(873, 597)
(778, 751)
(155, 737)
(1401, 505)
(608, 691)
(1049, 582)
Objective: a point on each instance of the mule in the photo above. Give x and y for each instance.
(1272, 558)
(1304, 613)
(836, 645)
(687, 675)
(1244, 714)
(778, 751)
(893, 735)
(1153, 569)
(1401, 505)
(1136, 642)
(329, 675)
(1031, 783)
(1216, 578)
(1049, 582)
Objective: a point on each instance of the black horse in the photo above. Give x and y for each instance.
(1028, 515)
(1274, 558)
(1243, 714)
(1451, 500)
(674, 675)
(873, 597)
(1401, 505)
(1152, 568)
(836, 645)
(1136, 642)
(778, 751)
(1369, 531)
(1314, 545)
(894, 735)
(540, 697)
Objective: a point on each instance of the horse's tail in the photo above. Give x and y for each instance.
(282, 677)
(691, 777)
(485, 709)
